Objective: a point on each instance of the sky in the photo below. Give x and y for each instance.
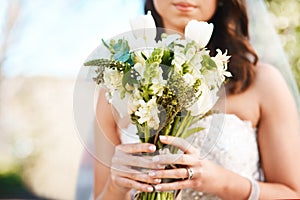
(54, 39)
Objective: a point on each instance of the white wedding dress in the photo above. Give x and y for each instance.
(234, 147)
(227, 140)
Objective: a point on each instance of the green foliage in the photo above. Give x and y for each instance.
(129, 79)
(287, 23)
(208, 63)
(12, 186)
(105, 63)
(184, 94)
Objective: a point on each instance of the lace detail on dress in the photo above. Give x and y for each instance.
(229, 142)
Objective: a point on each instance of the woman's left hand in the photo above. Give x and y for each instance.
(206, 176)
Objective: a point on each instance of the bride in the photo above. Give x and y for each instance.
(256, 154)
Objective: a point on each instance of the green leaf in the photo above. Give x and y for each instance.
(108, 47)
(166, 59)
(97, 62)
(191, 132)
(208, 63)
(129, 78)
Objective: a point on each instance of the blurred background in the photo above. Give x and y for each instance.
(42, 47)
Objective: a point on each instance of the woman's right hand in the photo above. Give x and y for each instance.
(129, 169)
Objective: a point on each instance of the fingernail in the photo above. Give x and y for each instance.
(162, 137)
(155, 159)
(152, 173)
(152, 148)
(158, 187)
(157, 180)
(149, 189)
(159, 166)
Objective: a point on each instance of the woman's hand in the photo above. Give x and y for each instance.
(129, 170)
(206, 176)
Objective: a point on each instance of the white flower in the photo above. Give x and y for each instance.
(157, 87)
(138, 58)
(178, 62)
(133, 105)
(166, 41)
(140, 68)
(144, 27)
(195, 62)
(112, 79)
(199, 31)
(221, 61)
(213, 79)
(190, 53)
(205, 102)
(148, 112)
(134, 100)
(141, 45)
(158, 82)
(189, 79)
(179, 58)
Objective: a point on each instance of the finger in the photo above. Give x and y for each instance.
(131, 184)
(179, 173)
(136, 175)
(181, 143)
(177, 185)
(136, 148)
(181, 159)
(135, 161)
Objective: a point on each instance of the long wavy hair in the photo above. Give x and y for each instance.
(230, 33)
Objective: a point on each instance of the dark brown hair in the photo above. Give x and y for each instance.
(230, 33)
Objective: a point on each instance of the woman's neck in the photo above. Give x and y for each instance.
(170, 28)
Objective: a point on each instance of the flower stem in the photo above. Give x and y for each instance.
(182, 124)
(147, 134)
(174, 127)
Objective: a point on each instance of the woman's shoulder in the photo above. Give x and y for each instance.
(269, 79)
(267, 72)
(271, 88)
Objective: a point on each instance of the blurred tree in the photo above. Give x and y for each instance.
(12, 187)
(286, 18)
(12, 15)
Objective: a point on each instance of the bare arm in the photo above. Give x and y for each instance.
(278, 141)
(114, 175)
(106, 138)
(278, 137)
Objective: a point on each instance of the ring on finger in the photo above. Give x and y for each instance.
(190, 173)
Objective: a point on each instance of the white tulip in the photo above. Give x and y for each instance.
(199, 31)
(144, 27)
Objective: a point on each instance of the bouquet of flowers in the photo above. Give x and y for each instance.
(167, 87)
